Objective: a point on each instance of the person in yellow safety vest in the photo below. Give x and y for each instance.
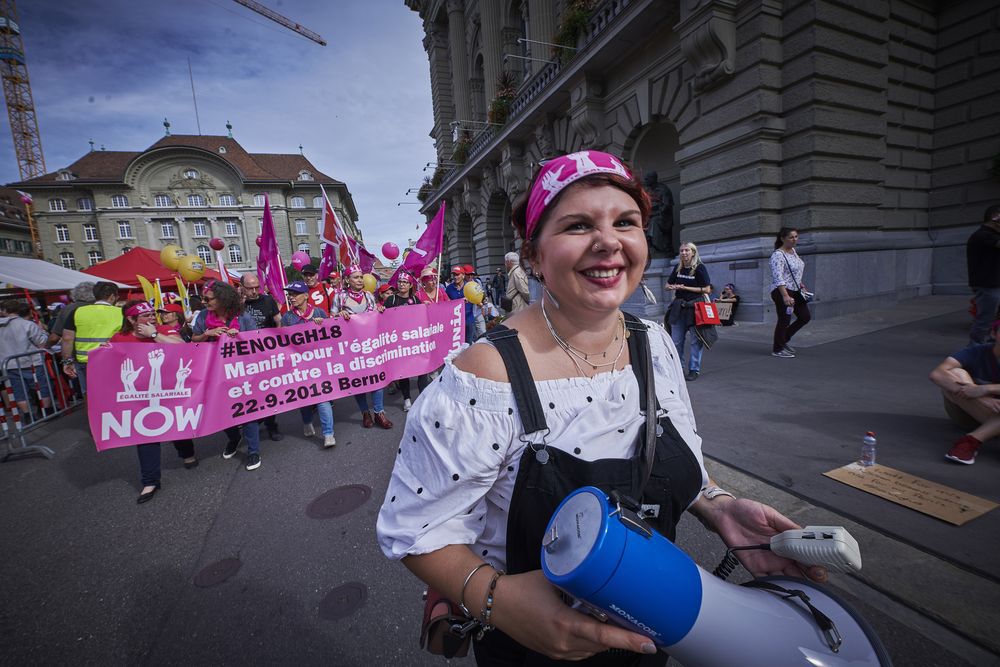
(87, 328)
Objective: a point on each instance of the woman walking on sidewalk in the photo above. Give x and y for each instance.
(786, 292)
(689, 282)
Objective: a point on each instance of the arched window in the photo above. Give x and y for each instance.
(304, 247)
(119, 201)
(62, 233)
(90, 232)
(57, 204)
(205, 254)
(235, 254)
(298, 202)
(162, 201)
(94, 256)
(305, 175)
(191, 173)
(258, 199)
(196, 200)
(318, 202)
(67, 260)
(85, 204)
(227, 200)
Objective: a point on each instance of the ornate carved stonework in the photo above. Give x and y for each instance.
(587, 112)
(180, 182)
(708, 40)
(511, 170)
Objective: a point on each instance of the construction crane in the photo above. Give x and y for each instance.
(278, 18)
(20, 105)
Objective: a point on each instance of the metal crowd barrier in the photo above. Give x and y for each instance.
(41, 378)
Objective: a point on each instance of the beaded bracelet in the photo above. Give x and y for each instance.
(468, 578)
(488, 606)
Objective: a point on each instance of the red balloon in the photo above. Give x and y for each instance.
(390, 250)
(258, 241)
(216, 243)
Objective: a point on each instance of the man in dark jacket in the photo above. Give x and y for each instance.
(982, 253)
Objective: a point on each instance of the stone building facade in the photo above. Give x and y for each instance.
(183, 190)
(15, 236)
(873, 127)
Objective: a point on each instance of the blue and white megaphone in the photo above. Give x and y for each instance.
(607, 558)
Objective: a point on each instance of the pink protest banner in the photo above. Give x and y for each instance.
(260, 373)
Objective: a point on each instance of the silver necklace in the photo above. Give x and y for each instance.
(576, 354)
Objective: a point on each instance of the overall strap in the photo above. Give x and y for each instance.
(529, 407)
(642, 365)
(638, 349)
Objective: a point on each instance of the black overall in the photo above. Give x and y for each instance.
(539, 488)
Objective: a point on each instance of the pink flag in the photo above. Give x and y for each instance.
(428, 246)
(366, 260)
(328, 264)
(25, 197)
(270, 271)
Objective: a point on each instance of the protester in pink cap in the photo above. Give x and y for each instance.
(456, 290)
(139, 326)
(473, 486)
(405, 296)
(430, 289)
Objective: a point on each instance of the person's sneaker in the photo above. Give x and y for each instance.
(308, 430)
(329, 440)
(382, 420)
(784, 354)
(692, 376)
(407, 405)
(275, 435)
(253, 461)
(789, 348)
(964, 450)
(231, 447)
(366, 419)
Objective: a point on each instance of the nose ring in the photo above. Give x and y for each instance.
(597, 246)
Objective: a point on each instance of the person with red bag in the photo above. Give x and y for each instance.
(690, 284)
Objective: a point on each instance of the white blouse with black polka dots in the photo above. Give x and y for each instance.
(458, 459)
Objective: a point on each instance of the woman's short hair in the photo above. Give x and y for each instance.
(630, 186)
(782, 235)
(83, 292)
(511, 256)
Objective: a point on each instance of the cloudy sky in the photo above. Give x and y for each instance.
(111, 70)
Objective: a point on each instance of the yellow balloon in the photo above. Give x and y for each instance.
(170, 256)
(473, 292)
(191, 268)
(370, 283)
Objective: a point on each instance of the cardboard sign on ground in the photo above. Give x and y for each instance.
(939, 501)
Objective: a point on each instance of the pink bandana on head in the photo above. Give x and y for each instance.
(354, 268)
(562, 171)
(138, 309)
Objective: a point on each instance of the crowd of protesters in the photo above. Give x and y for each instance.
(97, 316)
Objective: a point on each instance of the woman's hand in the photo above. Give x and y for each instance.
(232, 333)
(318, 320)
(530, 610)
(346, 314)
(745, 522)
(789, 300)
(380, 307)
(145, 330)
(672, 287)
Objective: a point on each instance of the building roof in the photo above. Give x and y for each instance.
(12, 210)
(110, 166)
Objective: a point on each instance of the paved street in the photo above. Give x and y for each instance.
(92, 578)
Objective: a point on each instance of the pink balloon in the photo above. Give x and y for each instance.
(216, 243)
(258, 241)
(390, 250)
(300, 259)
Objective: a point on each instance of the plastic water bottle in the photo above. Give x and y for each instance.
(868, 450)
(789, 310)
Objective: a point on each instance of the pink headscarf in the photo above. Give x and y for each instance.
(561, 172)
(138, 309)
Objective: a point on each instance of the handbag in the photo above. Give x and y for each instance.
(447, 634)
(506, 303)
(808, 296)
(705, 312)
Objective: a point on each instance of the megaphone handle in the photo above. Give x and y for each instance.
(827, 626)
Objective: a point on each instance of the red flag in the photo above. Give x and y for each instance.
(334, 234)
(270, 270)
(428, 246)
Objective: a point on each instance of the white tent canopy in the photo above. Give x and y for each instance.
(37, 274)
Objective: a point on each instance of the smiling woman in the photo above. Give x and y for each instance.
(546, 403)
